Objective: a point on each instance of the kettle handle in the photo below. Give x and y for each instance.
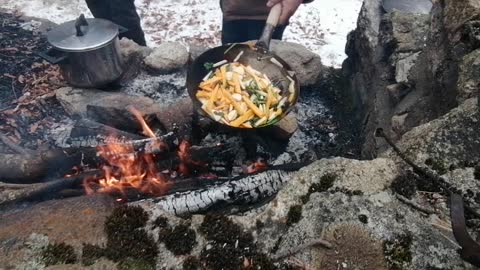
(51, 58)
(81, 21)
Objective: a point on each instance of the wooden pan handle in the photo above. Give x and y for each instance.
(274, 15)
(272, 22)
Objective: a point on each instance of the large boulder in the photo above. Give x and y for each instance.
(345, 202)
(449, 146)
(469, 77)
(306, 64)
(167, 58)
(450, 141)
(402, 65)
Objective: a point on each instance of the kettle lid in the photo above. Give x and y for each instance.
(82, 34)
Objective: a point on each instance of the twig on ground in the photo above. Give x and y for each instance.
(314, 243)
(14, 186)
(13, 89)
(415, 205)
(8, 142)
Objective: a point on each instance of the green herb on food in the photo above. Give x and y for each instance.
(208, 65)
(273, 121)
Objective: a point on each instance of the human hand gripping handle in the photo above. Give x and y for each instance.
(288, 8)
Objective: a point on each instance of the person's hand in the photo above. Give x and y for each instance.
(288, 8)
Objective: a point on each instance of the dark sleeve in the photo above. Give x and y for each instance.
(307, 1)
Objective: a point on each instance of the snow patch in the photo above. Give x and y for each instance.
(322, 26)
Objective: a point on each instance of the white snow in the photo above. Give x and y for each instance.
(322, 26)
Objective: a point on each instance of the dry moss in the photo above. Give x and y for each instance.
(179, 240)
(353, 247)
(326, 182)
(91, 253)
(58, 254)
(397, 252)
(161, 222)
(437, 165)
(228, 246)
(405, 185)
(192, 263)
(363, 219)
(127, 241)
(294, 215)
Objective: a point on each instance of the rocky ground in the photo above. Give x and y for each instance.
(337, 213)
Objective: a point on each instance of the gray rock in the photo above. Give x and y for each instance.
(75, 101)
(167, 57)
(469, 80)
(367, 176)
(306, 64)
(398, 123)
(407, 31)
(129, 49)
(177, 117)
(423, 54)
(457, 13)
(452, 139)
(196, 51)
(413, 6)
(285, 128)
(403, 67)
(397, 92)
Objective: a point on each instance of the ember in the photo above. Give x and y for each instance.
(185, 158)
(257, 166)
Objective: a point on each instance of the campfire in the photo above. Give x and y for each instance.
(150, 164)
(129, 173)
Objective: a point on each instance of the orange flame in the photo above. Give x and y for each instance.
(147, 131)
(127, 170)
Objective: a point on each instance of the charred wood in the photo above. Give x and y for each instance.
(86, 127)
(249, 189)
(49, 190)
(16, 168)
(36, 167)
(72, 186)
(87, 133)
(18, 149)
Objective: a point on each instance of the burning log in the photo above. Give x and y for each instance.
(15, 168)
(238, 191)
(71, 186)
(88, 133)
(35, 167)
(48, 190)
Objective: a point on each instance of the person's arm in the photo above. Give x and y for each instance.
(288, 8)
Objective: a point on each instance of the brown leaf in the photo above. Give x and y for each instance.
(21, 79)
(34, 127)
(17, 134)
(14, 139)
